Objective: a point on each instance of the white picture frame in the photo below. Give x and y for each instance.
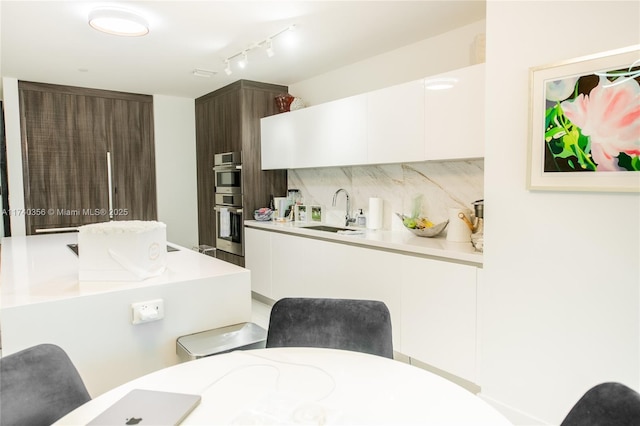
(565, 153)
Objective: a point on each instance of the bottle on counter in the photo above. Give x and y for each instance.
(361, 219)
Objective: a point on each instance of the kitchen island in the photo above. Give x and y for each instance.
(42, 301)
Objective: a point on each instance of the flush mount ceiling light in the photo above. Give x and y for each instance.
(440, 83)
(118, 22)
(267, 44)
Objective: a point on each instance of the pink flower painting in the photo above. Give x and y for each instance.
(593, 122)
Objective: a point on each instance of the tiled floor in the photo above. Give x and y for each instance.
(260, 313)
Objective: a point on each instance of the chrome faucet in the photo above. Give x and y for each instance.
(347, 217)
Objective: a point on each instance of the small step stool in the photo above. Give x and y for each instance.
(246, 335)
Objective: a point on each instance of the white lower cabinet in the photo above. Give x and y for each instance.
(305, 267)
(438, 314)
(258, 259)
(432, 303)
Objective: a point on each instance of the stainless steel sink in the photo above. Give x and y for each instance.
(325, 228)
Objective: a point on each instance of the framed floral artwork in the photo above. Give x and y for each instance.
(584, 124)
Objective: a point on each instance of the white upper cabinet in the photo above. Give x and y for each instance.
(395, 124)
(399, 124)
(277, 142)
(454, 116)
(330, 134)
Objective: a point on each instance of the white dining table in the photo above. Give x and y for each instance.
(310, 386)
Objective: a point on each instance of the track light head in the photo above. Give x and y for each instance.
(269, 48)
(244, 60)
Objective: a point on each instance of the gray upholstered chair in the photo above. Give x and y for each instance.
(38, 386)
(606, 404)
(356, 325)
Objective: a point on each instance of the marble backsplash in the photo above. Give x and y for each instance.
(442, 185)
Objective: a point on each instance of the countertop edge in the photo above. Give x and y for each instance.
(395, 241)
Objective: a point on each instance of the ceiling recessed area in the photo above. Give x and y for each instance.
(50, 41)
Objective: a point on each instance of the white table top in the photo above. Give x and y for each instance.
(307, 386)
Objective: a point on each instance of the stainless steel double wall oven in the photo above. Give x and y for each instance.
(227, 168)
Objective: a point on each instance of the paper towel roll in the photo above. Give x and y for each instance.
(376, 213)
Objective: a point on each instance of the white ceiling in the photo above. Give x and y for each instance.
(50, 41)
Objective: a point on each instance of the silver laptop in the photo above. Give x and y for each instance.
(148, 407)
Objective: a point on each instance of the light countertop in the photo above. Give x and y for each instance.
(41, 268)
(401, 241)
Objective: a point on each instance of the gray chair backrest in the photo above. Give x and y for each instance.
(38, 386)
(606, 404)
(356, 325)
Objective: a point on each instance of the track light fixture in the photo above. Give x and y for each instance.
(267, 44)
(269, 48)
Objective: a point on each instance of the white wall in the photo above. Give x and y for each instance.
(14, 153)
(448, 51)
(560, 297)
(176, 180)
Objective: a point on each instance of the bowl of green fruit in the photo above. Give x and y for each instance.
(422, 226)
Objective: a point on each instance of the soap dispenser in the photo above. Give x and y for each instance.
(361, 219)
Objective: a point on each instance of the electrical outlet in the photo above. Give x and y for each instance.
(151, 310)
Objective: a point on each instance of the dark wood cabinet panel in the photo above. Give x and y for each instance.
(133, 161)
(204, 173)
(229, 257)
(258, 184)
(229, 120)
(66, 135)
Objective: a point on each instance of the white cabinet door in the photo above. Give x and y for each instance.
(276, 142)
(395, 124)
(454, 117)
(257, 258)
(305, 267)
(330, 134)
(439, 315)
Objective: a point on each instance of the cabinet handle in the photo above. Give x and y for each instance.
(47, 230)
(230, 209)
(110, 183)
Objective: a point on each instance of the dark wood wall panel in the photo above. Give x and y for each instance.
(66, 134)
